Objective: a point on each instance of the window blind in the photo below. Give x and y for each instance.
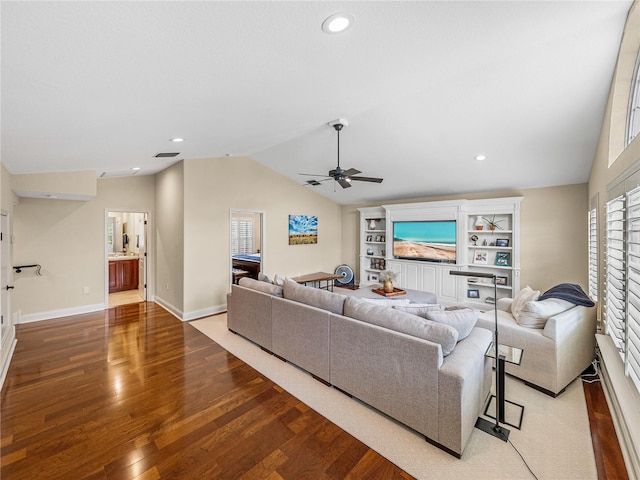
(593, 254)
(632, 360)
(615, 285)
(241, 236)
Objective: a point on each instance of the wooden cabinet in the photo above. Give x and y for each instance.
(123, 275)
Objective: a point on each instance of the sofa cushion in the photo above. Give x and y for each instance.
(263, 287)
(388, 302)
(534, 314)
(393, 319)
(315, 297)
(462, 320)
(525, 295)
(420, 309)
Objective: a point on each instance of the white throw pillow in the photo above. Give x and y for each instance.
(525, 295)
(387, 302)
(463, 320)
(534, 314)
(420, 309)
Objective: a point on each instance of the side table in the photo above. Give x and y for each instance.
(509, 354)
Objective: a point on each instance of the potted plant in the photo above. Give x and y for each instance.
(492, 223)
(387, 277)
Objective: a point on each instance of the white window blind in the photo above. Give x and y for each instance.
(593, 254)
(632, 360)
(615, 315)
(241, 236)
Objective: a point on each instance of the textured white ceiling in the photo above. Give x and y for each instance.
(425, 85)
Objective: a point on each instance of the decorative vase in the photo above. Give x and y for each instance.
(387, 286)
(372, 224)
(492, 227)
(479, 225)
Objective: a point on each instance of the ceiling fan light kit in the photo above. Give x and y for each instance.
(341, 176)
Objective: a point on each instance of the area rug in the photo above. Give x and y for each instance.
(554, 441)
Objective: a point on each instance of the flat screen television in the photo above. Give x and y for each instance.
(429, 240)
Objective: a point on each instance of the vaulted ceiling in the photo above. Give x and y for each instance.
(425, 85)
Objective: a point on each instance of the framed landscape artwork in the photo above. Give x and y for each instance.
(303, 229)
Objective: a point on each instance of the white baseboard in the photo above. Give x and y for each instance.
(6, 357)
(624, 403)
(188, 316)
(36, 317)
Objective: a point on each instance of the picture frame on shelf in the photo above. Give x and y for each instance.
(373, 277)
(502, 242)
(369, 251)
(500, 280)
(473, 293)
(503, 259)
(481, 257)
(369, 238)
(378, 237)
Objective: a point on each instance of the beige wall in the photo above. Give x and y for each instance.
(612, 157)
(215, 186)
(169, 235)
(552, 225)
(67, 238)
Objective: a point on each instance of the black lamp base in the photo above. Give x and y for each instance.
(492, 429)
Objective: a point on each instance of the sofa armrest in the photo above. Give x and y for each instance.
(568, 323)
(504, 304)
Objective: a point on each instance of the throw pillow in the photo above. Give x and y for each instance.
(387, 302)
(462, 320)
(420, 309)
(525, 295)
(534, 314)
(278, 279)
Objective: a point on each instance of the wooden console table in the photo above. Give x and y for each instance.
(317, 278)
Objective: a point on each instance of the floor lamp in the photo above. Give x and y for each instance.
(492, 429)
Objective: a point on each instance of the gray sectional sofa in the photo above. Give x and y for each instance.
(407, 367)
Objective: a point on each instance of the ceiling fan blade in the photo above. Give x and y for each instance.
(344, 183)
(367, 179)
(314, 175)
(313, 183)
(351, 171)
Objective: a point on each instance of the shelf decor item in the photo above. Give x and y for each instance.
(503, 259)
(479, 225)
(387, 277)
(480, 257)
(492, 223)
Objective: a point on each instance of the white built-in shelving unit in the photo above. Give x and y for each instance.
(478, 249)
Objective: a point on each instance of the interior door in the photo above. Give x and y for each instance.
(142, 256)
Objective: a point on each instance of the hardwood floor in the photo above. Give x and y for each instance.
(133, 393)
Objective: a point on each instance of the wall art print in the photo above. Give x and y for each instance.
(303, 229)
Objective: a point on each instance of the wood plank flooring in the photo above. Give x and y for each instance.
(133, 393)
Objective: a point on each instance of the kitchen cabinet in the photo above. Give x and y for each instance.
(123, 275)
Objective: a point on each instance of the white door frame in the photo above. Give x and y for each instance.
(8, 336)
(148, 249)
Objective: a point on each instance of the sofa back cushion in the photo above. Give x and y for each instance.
(393, 319)
(333, 302)
(263, 287)
(463, 320)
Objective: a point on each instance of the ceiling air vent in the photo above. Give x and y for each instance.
(166, 154)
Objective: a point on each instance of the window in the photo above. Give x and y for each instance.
(633, 122)
(622, 300)
(241, 235)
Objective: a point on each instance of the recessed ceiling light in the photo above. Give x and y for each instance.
(337, 23)
(135, 169)
(481, 157)
(177, 139)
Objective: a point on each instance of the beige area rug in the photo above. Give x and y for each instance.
(555, 439)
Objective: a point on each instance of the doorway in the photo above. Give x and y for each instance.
(246, 244)
(126, 246)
